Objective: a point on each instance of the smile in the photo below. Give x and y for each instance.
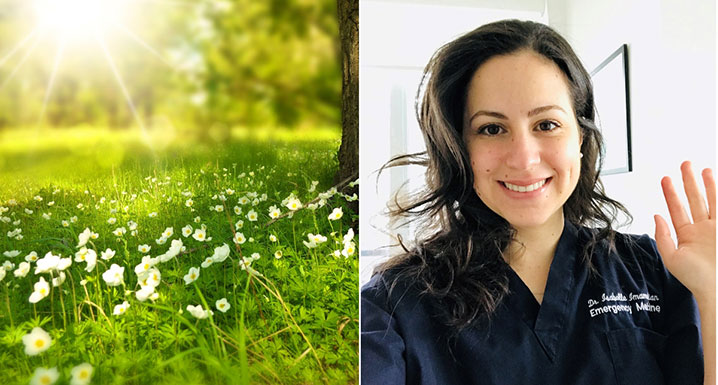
(525, 189)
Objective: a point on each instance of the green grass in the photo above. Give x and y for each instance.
(294, 321)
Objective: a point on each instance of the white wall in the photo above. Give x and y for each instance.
(672, 74)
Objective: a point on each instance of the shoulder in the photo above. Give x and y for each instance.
(389, 290)
(640, 249)
(634, 262)
(632, 251)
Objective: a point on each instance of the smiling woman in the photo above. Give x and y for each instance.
(518, 275)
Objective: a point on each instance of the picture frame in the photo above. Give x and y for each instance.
(613, 117)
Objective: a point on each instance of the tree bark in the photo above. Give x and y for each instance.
(349, 36)
(348, 12)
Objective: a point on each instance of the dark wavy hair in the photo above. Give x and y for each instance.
(457, 257)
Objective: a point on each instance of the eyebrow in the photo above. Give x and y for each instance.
(531, 113)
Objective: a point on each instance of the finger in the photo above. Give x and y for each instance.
(699, 211)
(675, 208)
(664, 242)
(710, 185)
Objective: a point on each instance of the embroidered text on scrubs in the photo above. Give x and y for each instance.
(615, 309)
(645, 306)
(613, 297)
(643, 296)
(642, 301)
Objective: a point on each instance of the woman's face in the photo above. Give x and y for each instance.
(522, 137)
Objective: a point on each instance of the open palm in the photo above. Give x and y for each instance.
(693, 260)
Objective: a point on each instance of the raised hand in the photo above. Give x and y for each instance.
(693, 261)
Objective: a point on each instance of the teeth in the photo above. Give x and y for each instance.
(528, 188)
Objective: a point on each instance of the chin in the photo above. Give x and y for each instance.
(521, 221)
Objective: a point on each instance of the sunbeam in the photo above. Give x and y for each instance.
(51, 82)
(118, 77)
(20, 63)
(17, 47)
(141, 42)
(63, 46)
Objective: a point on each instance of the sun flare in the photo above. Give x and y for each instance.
(77, 18)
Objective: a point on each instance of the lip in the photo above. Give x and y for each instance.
(525, 182)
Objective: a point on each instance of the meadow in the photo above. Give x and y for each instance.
(176, 258)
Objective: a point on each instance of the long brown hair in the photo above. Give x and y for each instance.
(456, 259)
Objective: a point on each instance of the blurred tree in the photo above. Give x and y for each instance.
(348, 11)
(270, 63)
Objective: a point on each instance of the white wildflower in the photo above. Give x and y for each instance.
(107, 254)
(114, 276)
(169, 231)
(47, 263)
(293, 204)
(145, 292)
(191, 276)
(121, 309)
(59, 280)
(222, 305)
(336, 214)
(239, 238)
(84, 237)
(349, 249)
(11, 253)
(42, 289)
(81, 374)
(154, 277)
(44, 376)
(200, 235)
(207, 262)
(32, 257)
(220, 253)
(22, 270)
(198, 312)
(120, 231)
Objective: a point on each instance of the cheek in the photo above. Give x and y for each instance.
(568, 162)
(483, 159)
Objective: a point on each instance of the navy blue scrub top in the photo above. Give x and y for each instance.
(633, 323)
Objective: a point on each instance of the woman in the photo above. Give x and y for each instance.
(517, 276)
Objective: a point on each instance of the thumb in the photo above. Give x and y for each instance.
(664, 242)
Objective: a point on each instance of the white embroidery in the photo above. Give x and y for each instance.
(616, 302)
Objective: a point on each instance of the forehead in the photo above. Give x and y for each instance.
(516, 83)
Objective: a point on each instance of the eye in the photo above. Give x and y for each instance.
(490, 130)
(547, 125)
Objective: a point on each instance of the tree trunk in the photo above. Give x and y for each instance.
(348, 12)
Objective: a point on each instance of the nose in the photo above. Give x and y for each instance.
(523, 152)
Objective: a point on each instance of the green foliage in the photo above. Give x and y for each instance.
(294, 318)
(188, 65)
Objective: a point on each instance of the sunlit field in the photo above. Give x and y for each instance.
(203, 257)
